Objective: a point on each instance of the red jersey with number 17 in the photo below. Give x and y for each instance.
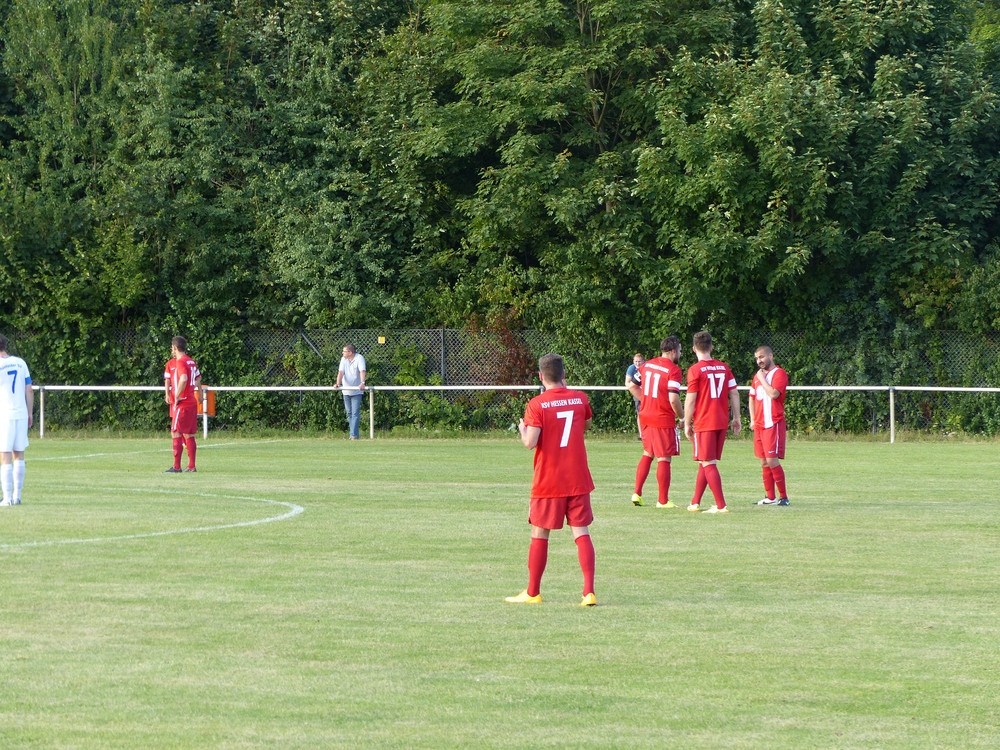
(561, 468)
(712, 381)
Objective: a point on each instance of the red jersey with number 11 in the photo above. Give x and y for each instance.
(712, 381)
(561, 468)
(659, 378)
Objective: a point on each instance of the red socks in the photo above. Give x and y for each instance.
(779, 480)
(585, 551)
(178, 445)
(192, 449)
(768, 475)
(700, 483)
(663, 480)
(714, 480)
(641, 472)
(538, 555)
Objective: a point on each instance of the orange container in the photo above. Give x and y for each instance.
(206, 394)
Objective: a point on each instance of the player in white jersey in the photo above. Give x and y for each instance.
(17, 403)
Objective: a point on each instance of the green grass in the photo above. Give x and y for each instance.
(864, 615)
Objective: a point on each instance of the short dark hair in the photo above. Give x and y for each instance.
(181, 343)
(703, 341)
(350, 348)
(3, 343)
(670, 344)
(764, 348)
(551, 367)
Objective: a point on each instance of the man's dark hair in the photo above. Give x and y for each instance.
(764, 348)
(350, 348)
(551, 367)
(181, 343)
(703, 341)
(3, 343)
(670, 344)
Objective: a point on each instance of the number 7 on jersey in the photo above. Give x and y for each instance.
(568, 416)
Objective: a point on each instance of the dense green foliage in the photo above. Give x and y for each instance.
(590, 169)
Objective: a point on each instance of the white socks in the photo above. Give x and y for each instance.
(7, 480)
(18, 480)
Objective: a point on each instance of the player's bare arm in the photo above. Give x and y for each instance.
(689, 402)
(675, 404)
(529, 435)
(182, 382)
(734, 405)
(770, 390)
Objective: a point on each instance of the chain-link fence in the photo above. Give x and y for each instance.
(462, 357)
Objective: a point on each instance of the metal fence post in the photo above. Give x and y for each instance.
(41, 411)
(444, 370)
(892, 415)
(371, 412)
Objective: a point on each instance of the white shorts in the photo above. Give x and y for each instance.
(13, 435)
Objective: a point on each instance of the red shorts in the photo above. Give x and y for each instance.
(549, 512)
(769, 442)
(184, 419)
(708, 445)
(661, 442)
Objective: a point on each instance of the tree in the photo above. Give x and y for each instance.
(843, 174)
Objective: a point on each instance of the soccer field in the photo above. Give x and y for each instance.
(310, 593)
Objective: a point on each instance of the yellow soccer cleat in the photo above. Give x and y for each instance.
(589, 600)
(523, 598)
(668, 504)
(694, 507)
(636, 499)
(715, 509)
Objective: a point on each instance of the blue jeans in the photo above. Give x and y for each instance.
(352, 405)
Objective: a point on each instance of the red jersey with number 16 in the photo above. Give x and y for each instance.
(659, 377)
(561, 468)
(712, 381)
(172, 373)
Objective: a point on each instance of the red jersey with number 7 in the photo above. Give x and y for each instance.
(561, 468)
(712, 381)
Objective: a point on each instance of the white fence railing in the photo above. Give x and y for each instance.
(372, 390)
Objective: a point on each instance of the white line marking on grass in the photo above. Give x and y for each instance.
(201, 447)
(294, 510)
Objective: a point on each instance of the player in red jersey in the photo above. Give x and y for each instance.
(767, 418)
(659, 409)
(181, 381)
(711, 395)
(553, 425)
